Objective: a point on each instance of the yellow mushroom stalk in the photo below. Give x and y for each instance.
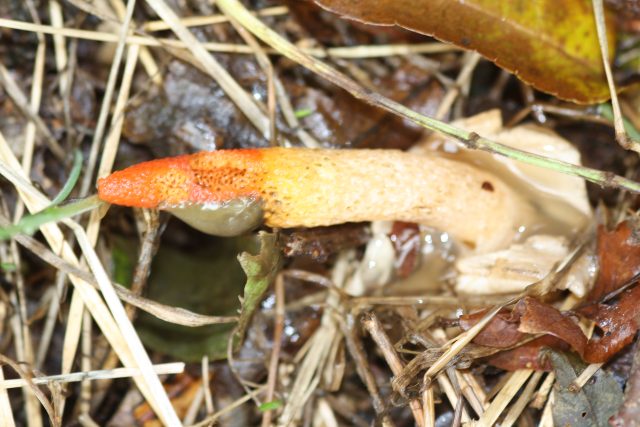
(297, 187)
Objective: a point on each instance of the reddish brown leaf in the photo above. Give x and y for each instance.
(527, 356)
(540, 318)
(323, 27)
(549, 44)
(501, 332)
(181, 389)
(619, 259)
(618, 323)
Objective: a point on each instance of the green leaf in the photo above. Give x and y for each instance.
(303, 112)
(593, 404)
(269, 406)
(9, 267)
(73, 179)
(550, 44)
(260, 269)
(29, 224)
(205, 278)
(606, 111)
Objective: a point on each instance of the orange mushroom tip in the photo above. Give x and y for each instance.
(205, 178)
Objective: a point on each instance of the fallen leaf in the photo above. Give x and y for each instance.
(501, 332)
(618, 323)
(539, 318)
(181, 389)
(205, 279)
(619, 259)
(323, 27)
(549, 44)
(527, 356)
(591, 405)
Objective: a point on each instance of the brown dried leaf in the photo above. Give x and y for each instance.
(527, 356)
(619, 259)
(324, 27)
(618, 323)
(501, 332)
(549, 44)
(539, 318)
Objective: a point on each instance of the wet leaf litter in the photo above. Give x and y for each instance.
(337, 264)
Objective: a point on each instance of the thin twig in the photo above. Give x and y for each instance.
(210, 420)
(278, 328)
(105, 374)
(356, 349)
(198, 21)
(55, 418)
(618, 123)
(347, 52)
(373, 326)
(147, 250)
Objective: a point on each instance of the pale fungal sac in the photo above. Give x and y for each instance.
(560, 203)
(512, 269)
(226, 219)
(560, 200)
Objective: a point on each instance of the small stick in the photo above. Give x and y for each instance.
(621, 134)
(373, 326)
(278, 328)
(160, 369)
(354, 346)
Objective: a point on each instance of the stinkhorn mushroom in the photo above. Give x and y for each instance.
(228, 192)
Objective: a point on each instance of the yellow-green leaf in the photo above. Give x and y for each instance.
(550, 44)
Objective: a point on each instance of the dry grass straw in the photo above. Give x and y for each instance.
(621, 134)
(347, 52)
(146, 58)
(160, 369)
(5, 406)
(274, 360)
